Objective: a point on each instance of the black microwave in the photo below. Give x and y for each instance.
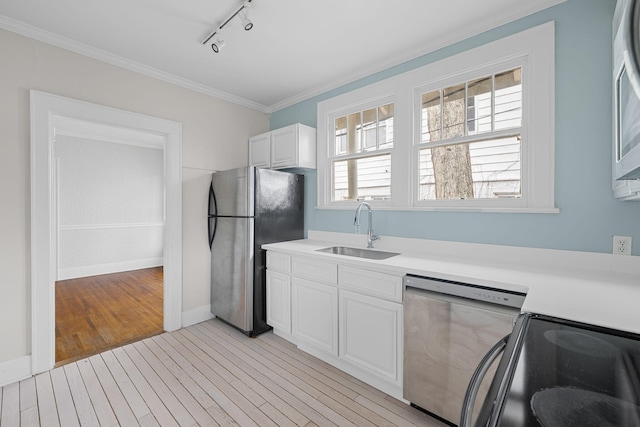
(626, 77)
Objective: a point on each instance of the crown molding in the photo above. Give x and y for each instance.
(109, 58)
(104, 56)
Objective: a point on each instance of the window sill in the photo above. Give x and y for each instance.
(470, 209)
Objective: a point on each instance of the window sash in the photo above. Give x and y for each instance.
(480, 104)
(372, 142)
(371, 176)
(363, 130)
(492, 170)
(470, 136)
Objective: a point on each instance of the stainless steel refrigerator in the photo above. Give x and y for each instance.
(249, 207)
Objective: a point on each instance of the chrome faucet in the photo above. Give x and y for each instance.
(356, 221)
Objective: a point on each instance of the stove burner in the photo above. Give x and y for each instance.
(567, 407)
(582, 343)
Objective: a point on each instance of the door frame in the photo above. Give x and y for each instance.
(45, 110)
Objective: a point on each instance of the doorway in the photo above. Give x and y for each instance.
(109, 200)
(49, 112)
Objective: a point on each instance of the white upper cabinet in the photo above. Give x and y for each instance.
(287, 147)
(260, 150)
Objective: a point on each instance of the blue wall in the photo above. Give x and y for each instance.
(589, 215)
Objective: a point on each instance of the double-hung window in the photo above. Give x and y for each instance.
(470, 139)
(360, 154)
(474, 131)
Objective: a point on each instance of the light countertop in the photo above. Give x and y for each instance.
(598, 289)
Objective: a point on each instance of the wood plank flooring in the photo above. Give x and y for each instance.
(94, 314)
(206, 374)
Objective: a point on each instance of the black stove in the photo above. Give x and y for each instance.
(560, 373)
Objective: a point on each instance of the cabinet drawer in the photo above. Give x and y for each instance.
(372, 283)
(321, 271)
(280, 262)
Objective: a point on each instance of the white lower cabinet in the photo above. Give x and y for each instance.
(279, 301)
(315, 314)
(371, 334)
(348, 316)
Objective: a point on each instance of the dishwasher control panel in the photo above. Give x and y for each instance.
(466, 290)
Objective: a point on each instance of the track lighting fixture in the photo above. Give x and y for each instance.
(243, 12)
(219, 44)
(246, 22)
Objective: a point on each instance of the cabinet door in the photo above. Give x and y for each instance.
(371, 334)
(279, 301)
(284, 147)
(315, 314)
(260, 150)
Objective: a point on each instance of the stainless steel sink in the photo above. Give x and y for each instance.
(357, 252)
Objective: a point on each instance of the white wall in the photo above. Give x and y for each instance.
(110, 206)
(215, 135)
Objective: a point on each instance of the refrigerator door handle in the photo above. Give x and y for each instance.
(476, 380)
(212, 233)
(212, 215)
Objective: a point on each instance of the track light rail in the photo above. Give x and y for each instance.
(220, 27)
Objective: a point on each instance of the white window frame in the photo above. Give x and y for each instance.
(372, 103)
(508, 203)
(533, 49)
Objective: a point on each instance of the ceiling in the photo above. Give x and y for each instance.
(296, 49)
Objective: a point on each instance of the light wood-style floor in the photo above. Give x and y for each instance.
(94, 314)
(206, 374)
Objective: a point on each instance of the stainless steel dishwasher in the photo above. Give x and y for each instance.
(448, 328)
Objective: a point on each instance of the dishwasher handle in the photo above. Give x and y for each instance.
(476, 380)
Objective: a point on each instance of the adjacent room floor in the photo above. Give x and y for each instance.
(206, 374)
(97, 313)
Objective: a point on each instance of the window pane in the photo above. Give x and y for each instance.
(453, 114)
(363, 131)
(385, 126)
(479, 105)
(431, 116)
(354, 130)
(508, 93)
(478, 170)
(367, 178)
(341, 136)
(369, 128)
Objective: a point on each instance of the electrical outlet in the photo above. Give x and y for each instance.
(622, 245)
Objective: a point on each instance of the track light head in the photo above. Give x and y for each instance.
(219, 44)
(244, 17)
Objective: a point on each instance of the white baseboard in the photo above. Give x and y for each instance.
(115, 267)
(15, 370)
(196, 315)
